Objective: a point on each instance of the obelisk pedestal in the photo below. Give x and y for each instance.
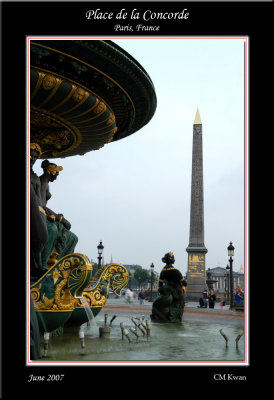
(196, 278)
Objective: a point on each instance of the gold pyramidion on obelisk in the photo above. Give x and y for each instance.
(197, 120)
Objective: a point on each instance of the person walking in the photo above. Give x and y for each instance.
(127, 298)
(128, 295)
(239, 297)
(222, 303)
(211, 299)
(205, 298)
(141, 296)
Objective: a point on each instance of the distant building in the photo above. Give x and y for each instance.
(132, 267)
(222, 276)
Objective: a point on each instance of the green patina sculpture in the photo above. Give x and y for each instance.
(169, 306)
(60, 279)
(112, 276)
(56, 294)
(61, 240)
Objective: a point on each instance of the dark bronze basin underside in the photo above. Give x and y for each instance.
(84, 94)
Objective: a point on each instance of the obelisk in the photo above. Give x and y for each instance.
(196, 279)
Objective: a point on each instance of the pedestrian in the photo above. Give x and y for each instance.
(205, 298)
(128, 295)
(222, 303)
(141, 296)
(239, 297)
(201, 303)
(211, 299)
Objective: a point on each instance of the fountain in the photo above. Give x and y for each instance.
(64, 293)
(104, 331)
(125, 103)
(89, 328)
(210, 281)
(192, 340)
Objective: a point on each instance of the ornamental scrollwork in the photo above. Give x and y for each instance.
(62, 285)
(113, 275)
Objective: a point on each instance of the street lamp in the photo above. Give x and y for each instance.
(227, 282)
(139, 279)
(151, 278)
(129, 279)
(230, 251)
(100, 248)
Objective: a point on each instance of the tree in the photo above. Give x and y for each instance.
(142, 276)
(94, 268)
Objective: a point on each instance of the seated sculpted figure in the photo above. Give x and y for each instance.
(61, 240)
(35, 153)
(169, 306)
(38, 238)
(37, 220)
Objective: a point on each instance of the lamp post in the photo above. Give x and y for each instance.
(100, 248)
(139, 279)
(151, 279)
(129, 279)
(230, 251)
(227, 284)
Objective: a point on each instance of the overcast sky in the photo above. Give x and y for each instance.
(134, 194)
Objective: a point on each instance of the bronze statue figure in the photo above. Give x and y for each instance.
(61, 240)
(35, 153)
(169, 306)
(38, 238)
(38, 232)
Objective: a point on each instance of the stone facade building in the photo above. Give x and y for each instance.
(222, 275)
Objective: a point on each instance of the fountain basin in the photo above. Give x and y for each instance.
(192, 340)
(85, 94)
(79, 316)
(56, 300)
(49, 321)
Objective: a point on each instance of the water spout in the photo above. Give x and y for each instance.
(140, 326)
(238, 338)
(224, 335)
(46, 344)
(133, 319)
(82, 340)
(112, 319)
(122, 326)
(148, 328)
(127, 335)
(133, 330)
(89, 328)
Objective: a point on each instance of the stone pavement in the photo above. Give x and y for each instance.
(135, 301)
(191, 309)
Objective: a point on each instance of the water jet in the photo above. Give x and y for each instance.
(46, 344)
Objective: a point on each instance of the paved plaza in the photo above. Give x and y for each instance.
(119, 305)
(135, 301)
